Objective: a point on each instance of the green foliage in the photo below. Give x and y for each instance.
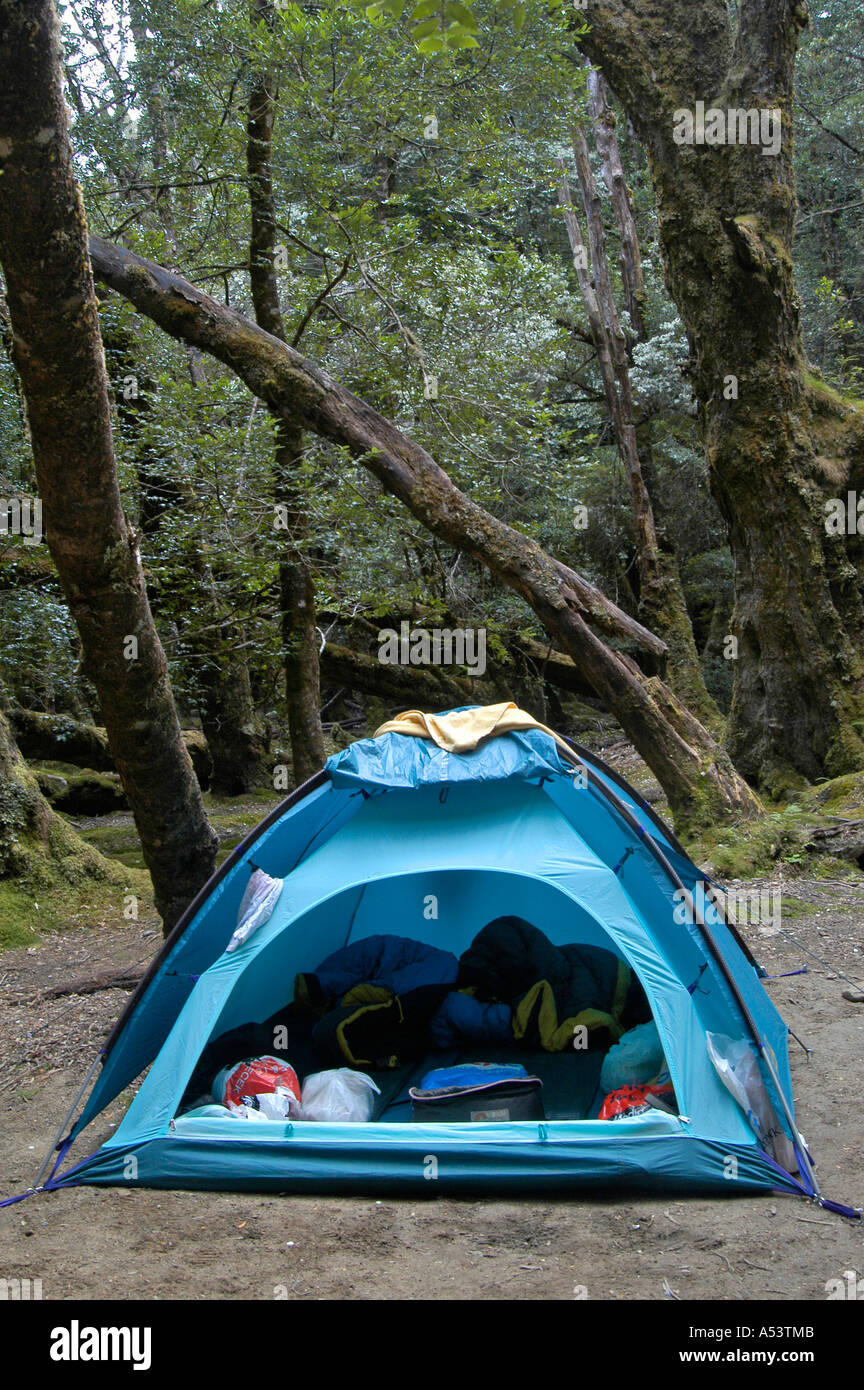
(38, 649)
(446, 26)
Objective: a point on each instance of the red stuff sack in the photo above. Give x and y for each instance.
(242, 1084)
(630, 1100)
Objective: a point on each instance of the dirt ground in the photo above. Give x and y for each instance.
(91, 1243)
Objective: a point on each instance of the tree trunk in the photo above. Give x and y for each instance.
(661, 598)
(59, 355)
(696, 774)
(779, 442)
(296, 581)
(356, 668)
(606, 140)
(223, 689)
(399, 686)
(300, 643)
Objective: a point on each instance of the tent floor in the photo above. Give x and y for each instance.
(571, 1080)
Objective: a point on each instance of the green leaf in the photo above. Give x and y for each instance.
(429, 26)
(425, 8)
(435, 43)
(461, 14)
(460, 38)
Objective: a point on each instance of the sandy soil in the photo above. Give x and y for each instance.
(112, 1243)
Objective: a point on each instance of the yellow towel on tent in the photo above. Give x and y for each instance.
(462, 730)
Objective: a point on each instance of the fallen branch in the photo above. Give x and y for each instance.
(110, 979)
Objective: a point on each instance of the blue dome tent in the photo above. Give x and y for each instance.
(515, 822)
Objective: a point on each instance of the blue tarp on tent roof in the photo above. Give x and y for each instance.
(509, 827)
(398, 760)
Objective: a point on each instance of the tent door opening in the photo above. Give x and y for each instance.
(283, 1004)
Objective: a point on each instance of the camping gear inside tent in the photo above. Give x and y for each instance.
(424, 864)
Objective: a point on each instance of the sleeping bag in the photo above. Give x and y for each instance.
(552, 990)
(374, 999)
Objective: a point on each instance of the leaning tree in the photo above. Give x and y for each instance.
(695, 772)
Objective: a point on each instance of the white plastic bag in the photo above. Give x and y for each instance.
(737, 1066)
(340, 1096)
(270, 1105)
(636, 1058)
(245, 1112)
(261, 896)
(277, 1105)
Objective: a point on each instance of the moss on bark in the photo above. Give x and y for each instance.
(49, 877)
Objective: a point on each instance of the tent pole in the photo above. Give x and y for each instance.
(55, 1144)
(790, 1119)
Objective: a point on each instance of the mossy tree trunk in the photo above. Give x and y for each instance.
(696, 774)
(778, 441)
(58, 353)
(661, 598)
(296, 580)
